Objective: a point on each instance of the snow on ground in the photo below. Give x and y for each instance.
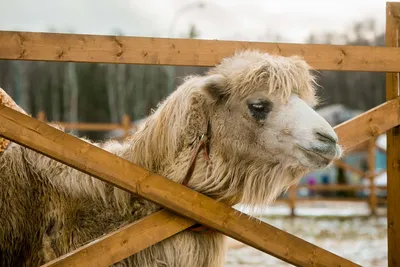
(342, 228)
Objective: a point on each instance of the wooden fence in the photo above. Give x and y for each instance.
(191, 207)
(370, 145)
(126, 125)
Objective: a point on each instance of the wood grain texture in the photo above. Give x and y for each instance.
(88, 158)
(185, 52)
(393, 144)
(369, 124)
(124, 242)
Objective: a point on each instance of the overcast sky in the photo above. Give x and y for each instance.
(218, 19)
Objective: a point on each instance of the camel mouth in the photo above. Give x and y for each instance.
(316, 155)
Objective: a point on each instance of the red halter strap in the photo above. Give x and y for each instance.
(203, 144)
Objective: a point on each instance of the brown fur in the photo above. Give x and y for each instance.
(48, 209)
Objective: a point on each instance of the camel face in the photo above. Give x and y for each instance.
(264, 112)
(267, 129)
(263, 135)
(292, 130)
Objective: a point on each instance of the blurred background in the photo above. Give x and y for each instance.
(342, 209)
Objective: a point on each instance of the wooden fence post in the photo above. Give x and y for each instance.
(41, 116)
(126, 124)
(371, 175)
(393, 144)
(292, 200)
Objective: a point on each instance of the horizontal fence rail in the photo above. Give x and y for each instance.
(81, 255)
(338, 187)
(103, 165)
(90, 126)
(185, 52)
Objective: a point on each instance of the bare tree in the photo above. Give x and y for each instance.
(112, 90)
(121, 89)
(71, 92)
(54, 91)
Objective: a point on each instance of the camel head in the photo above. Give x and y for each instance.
(257, 112)
(261, 113)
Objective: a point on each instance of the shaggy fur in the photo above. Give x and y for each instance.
(7, 101)
(48, 209)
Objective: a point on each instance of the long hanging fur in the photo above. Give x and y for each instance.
(48, 209)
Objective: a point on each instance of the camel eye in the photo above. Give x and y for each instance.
(260, 109)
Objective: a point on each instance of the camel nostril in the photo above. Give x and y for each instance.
(326, 138)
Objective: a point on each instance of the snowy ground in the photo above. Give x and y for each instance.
(342, 228)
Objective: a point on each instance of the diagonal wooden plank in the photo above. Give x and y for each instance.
(185, 52)
(363, 129)
(103, 165)
(369, 124)
(124, 242)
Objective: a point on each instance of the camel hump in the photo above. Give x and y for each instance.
(7, 101)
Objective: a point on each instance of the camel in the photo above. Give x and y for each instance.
(255, 111)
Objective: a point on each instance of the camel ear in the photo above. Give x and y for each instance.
(214, 86)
